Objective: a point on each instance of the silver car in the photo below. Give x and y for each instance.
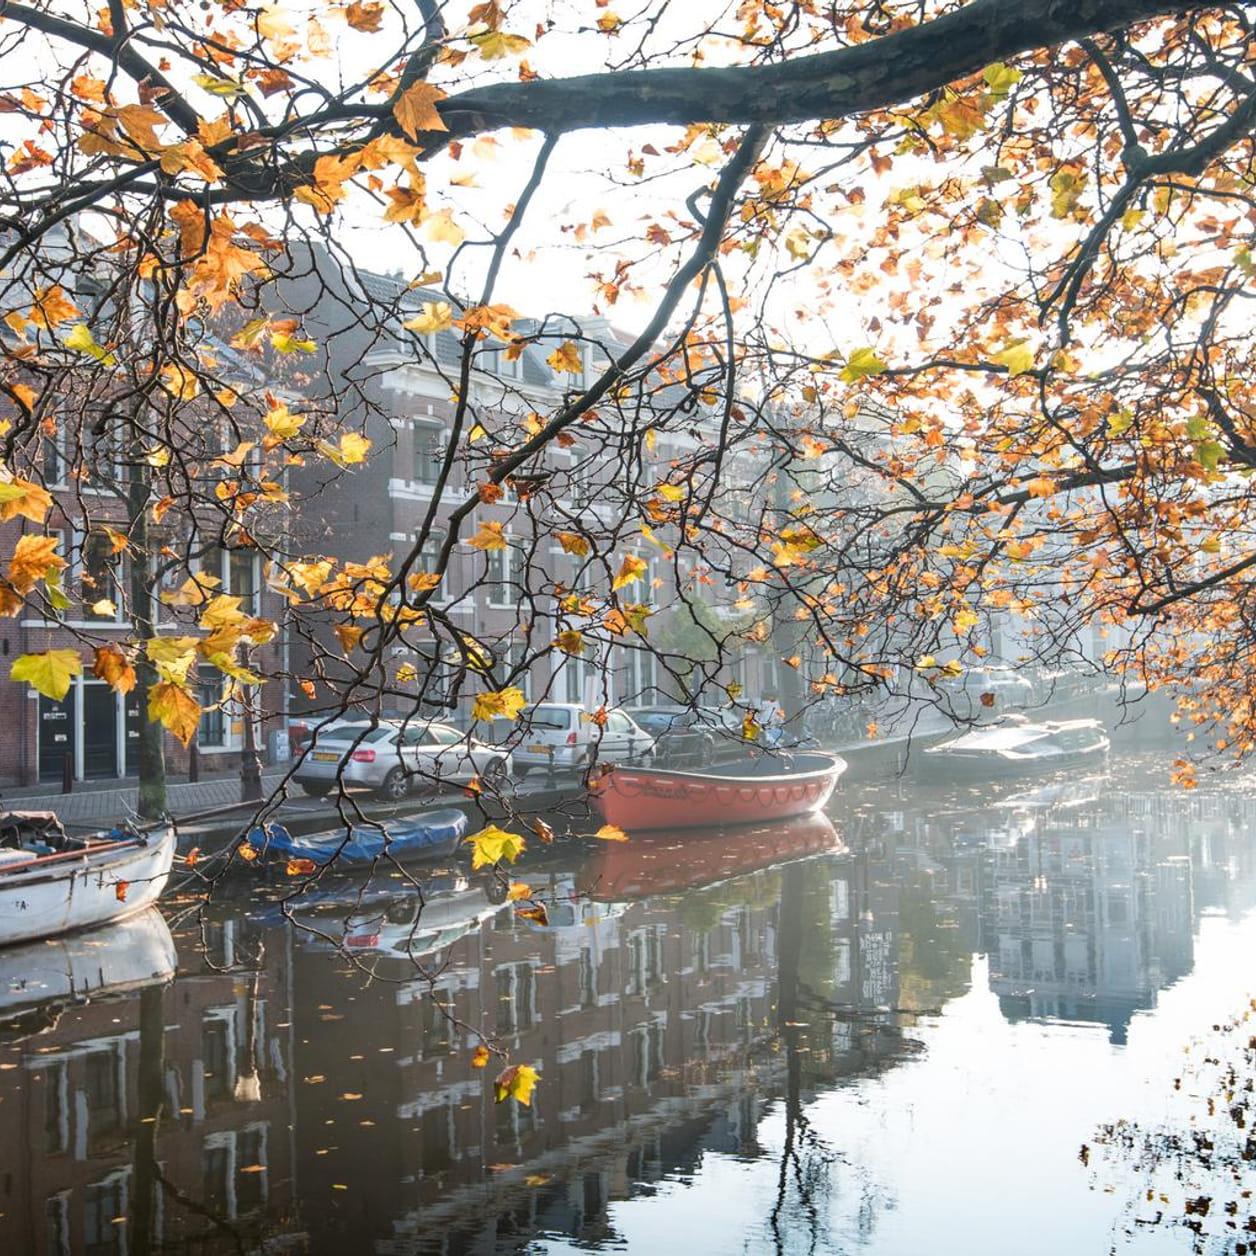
(395, 756)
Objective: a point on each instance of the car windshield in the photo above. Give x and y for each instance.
(550, 717)
(355, 732)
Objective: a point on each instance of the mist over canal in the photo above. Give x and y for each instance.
(902, 1031)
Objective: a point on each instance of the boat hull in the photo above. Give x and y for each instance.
(764, 789)
(996, 767)
(63, 893)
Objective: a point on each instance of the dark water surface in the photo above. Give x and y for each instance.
(901, 1032)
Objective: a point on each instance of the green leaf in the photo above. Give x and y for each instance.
(1209, 454)
(860, 363)
(50, 672)
(1198, 428)
(1001, 78)
(220, 87)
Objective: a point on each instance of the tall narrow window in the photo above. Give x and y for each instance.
(429, 453)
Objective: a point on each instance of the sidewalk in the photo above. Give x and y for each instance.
(108, 802)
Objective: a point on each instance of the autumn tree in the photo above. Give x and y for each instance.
(907, 326)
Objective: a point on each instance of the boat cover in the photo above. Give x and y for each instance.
(430, 833)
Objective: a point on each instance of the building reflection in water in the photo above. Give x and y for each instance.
(311, 1088)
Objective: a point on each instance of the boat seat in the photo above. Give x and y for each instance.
(32, 828)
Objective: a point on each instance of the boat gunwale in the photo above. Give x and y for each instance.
(87, 860)
(838, 764)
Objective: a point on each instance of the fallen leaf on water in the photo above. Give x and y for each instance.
(301, 867)
(537, 1179)
(610, 833)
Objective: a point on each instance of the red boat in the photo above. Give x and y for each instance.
(666, 863)
(770, 787)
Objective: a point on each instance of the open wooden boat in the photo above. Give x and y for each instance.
(666, 863)
(52, 883)
(769, 787)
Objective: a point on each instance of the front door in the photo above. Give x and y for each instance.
(100, 731)
(56, 736)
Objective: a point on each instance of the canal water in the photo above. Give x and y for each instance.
(981, 1019)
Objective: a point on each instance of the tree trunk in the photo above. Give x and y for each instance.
(151, 750)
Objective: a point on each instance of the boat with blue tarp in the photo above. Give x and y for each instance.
(427, 835)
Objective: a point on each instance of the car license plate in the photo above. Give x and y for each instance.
(538, 748)
(325, 756)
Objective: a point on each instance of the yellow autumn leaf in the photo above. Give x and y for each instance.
(440, 228)
(516, 1083)
(436, 316)
(489, 537)
(494, 44)
(479, 1058)
(497, 704)
(573, 543)
(491, 845)
(570, 641)
(1017, 356)
(632, 568)
(282, 423)
(21, 497)
(567, 358)
(175, 708)
(222, 611)
(518, 890)
(670, 492)
(50, 673)
(861, 363)
(611, 833)
(81, 339)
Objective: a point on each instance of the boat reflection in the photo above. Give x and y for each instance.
(40, 979)
(666, 863)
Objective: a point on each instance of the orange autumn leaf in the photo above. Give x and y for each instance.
(415, 109)
(611, 833)
(112, 667)
(175, 708)
(247, 853)
(120, 889)
(348, 635)
(479, 1058)
(300, 867)
(536, 912)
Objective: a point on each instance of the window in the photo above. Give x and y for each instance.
(212, 732)
(52, 462)
(516, 997)
(102, 1084)
(56, 1108)
(240, 578)
(428, 454)
(429, 560)
(501, 566)
(98, 578)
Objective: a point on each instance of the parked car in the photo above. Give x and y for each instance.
(701, 735)
(562, 736)
(396, 756)
(992, 688)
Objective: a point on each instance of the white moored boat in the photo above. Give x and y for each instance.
(51, 883)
